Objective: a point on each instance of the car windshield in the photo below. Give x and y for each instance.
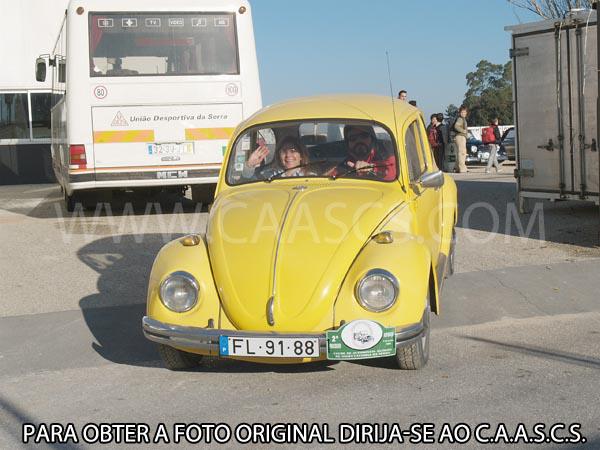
(323, 149)
(510, 134)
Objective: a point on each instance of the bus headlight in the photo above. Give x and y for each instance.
(378, 290)
(179, 292)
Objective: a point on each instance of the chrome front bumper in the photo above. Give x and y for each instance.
(206, 340)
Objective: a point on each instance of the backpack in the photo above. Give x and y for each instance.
(433, 136)
(488, 136)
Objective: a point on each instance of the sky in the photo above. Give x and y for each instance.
(334, 46)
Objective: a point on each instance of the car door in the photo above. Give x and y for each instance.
(425, 202)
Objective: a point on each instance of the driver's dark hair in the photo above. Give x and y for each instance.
(288, 142)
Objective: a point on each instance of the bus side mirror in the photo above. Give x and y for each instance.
(40, 69)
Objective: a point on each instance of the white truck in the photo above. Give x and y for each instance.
(147, 93)
(555, 87)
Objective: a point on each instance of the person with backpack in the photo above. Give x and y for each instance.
(436, 141)
(491, 137)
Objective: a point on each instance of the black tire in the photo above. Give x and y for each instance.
(70, 202)
(451, 255)
(203, 193)
(176, 359)
(415, 355)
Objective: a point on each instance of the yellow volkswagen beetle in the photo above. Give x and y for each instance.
(330, 236)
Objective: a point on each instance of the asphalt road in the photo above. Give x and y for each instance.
(518, 340)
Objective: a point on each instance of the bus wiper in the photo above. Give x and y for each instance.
(354, 170)
(280, 173)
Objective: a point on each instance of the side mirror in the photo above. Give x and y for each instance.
(40, 69)
(432, 180)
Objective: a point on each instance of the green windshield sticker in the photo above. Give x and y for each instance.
(361, 339)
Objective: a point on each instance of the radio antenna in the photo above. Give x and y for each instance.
(387, 57)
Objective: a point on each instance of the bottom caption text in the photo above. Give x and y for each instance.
(305, 433)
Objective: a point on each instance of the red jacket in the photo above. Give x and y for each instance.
(385, 170)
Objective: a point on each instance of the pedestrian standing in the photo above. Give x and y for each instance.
(493, 143)
(461, 130)
(443, 129)
(436, 141)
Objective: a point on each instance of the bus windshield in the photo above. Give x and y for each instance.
(134, 44)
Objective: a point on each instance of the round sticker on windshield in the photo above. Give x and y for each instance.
(362, 334)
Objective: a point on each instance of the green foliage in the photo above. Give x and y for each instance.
(451, 111)
(489, 93)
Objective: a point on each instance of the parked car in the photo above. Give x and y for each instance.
(508, 143)
(341, 256)
(474, 147)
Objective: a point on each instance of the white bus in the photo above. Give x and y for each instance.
(147, 93)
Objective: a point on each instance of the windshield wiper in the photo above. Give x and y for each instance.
(351, 171)
(279, 173)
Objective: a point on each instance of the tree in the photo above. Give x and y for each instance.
(551, 9)
(489, 93)
(452, 111)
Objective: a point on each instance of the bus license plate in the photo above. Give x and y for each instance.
(269, 347)
(165, 149)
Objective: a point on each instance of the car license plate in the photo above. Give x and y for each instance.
(269, 347)
(166, 149)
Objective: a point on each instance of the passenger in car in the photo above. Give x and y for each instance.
(291, 160)
(292, 157)
(366, 155)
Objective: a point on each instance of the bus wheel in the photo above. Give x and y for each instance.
(203, 193)
(70, 201)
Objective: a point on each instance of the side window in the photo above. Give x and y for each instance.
(59, 74)
(40, 114)
(414, 154)
(425, 153)
(14, 116)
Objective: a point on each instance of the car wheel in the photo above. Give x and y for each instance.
(450, 270)
(415, 355)
(203, 193)
(176, 359)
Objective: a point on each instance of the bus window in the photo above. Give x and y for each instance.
(162, 44)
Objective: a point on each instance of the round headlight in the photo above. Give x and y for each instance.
(179, 292)
(378, 290)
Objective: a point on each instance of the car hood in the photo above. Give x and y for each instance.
(292, 242)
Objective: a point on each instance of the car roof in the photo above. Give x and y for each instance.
(342, 106)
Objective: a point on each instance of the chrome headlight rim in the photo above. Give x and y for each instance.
(383, 273)
(190, 279)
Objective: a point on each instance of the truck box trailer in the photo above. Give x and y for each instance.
(555, 87)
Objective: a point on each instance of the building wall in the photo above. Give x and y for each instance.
(29, 29)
